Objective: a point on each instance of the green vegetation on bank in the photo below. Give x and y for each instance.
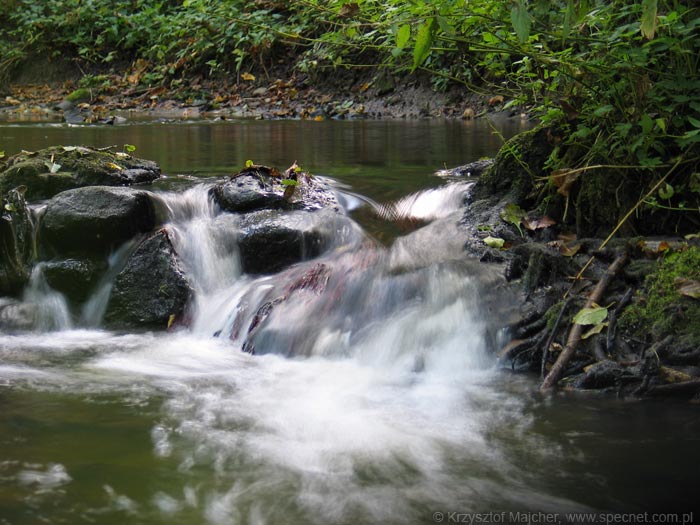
(616, 81)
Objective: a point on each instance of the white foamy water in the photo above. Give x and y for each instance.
(357, 387)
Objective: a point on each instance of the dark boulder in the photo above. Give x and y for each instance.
(50, 171)
(74, 278)
(259, 187)
(16, 242)
(95, 219)
(151, 289)
(269, 240)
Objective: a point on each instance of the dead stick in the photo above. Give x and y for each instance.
(576, 331)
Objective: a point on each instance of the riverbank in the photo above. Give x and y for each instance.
(68, 94)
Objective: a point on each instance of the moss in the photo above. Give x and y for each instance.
(659, 308)
(79, 95)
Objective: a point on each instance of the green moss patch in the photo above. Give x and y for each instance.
(663, 307)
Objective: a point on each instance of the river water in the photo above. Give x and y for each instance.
(375, 399)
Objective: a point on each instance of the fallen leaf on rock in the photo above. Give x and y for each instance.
(513, 214)
(569, 251)
(688, 287)
(494, 242)
(533, 223)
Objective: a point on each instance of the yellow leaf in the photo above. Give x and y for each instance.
(114, 166)
(248, 76)
(318, 118)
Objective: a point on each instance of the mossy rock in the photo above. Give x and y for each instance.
(519, 161)
(16, 242)
(50, 171)
(666, 305)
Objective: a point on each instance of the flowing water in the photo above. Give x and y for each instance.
(368, 391)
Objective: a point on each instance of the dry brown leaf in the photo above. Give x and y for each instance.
(563, 179)
(533, 223)
(498, 99)
(688, 287)
(567, 236)
(248, 77)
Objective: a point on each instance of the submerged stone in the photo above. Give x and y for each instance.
(152, 290)
(50, 171)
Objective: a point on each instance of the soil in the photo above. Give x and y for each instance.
(55, 91)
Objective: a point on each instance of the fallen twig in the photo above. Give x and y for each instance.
(576, 331)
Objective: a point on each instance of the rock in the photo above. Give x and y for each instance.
(53, 170)
(74, 278)
(259, 187)
(17, 316)
(16, 242)
(603, 374)
(95, 220)
(473, 169)
(271, 240)
(150, 289)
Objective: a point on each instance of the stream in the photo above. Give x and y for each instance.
(372, 399)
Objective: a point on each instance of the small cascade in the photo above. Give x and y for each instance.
(52, 309)
(94, 309)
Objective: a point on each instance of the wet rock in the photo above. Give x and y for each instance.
(150, 289)
(17, 316)
(259, 187)
(272, 240)
(95, 219)
(604, 374)
(50, 171)
(16, 242)
(473, 169)
(74, 278)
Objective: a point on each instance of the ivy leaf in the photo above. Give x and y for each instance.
(588, 316)
(494, 242)
(521, 21)
(649, 21)
(424, 39)
(402, 36)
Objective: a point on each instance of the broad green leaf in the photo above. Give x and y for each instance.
(588, 316)
(445, 25)
(662, 124)
(649, 21)
(424, 39)
(289, 182)
(646, 123)
(695, 122)
(402, 36)
(129, 148)
(494, 242)
(521, 21)
(10, 207)
(595, 330)
(513, 214)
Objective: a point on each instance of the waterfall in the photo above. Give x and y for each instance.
(52, 309)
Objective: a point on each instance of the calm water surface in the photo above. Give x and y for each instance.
(390, 408)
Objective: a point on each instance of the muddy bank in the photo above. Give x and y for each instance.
(67, 94)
